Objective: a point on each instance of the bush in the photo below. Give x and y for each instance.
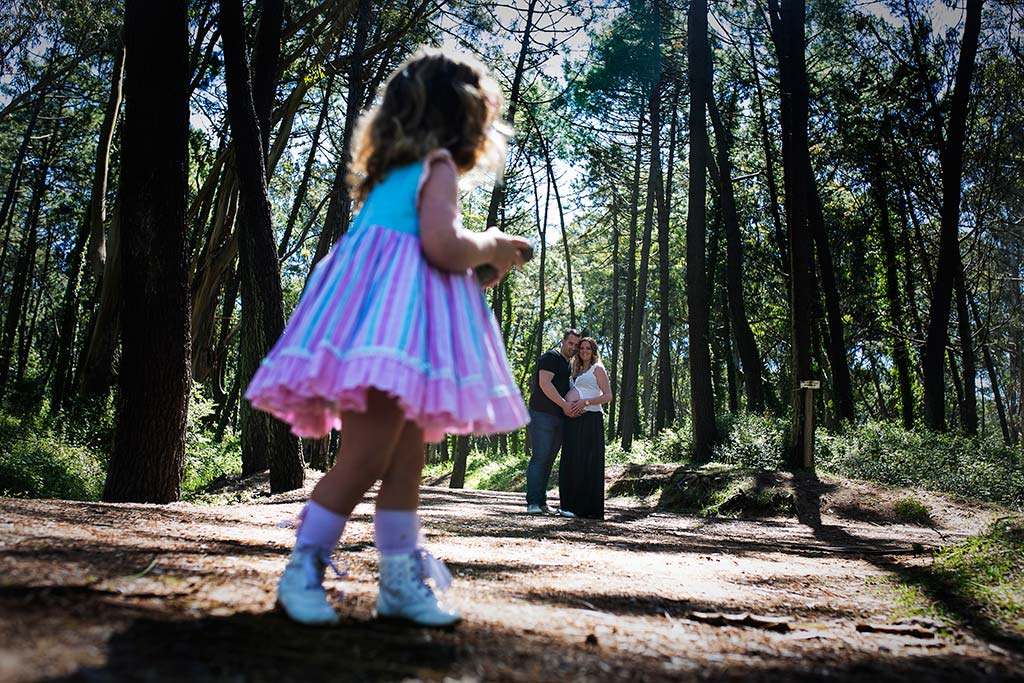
(46, 464)
(887, 453)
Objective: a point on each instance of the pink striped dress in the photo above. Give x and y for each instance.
(376, 314)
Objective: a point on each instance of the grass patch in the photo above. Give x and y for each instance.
(986, 572)
(978, 583)
(912, 511)
(718, 490)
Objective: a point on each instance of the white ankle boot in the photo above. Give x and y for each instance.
(300, 591)
(404, 593)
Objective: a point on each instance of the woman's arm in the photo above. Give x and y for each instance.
(450, 247)
(604, 385)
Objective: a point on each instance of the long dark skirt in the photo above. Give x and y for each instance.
(581, 470)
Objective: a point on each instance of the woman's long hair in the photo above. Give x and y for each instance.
(576, 366)
(435, 99)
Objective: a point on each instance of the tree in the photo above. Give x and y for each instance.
(951, 160)
(702, 401)
(265, 440)
(147, 458)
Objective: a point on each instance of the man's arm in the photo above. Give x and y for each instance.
(544, 378)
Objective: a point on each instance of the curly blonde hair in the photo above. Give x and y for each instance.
(575, 366)
(435, 99)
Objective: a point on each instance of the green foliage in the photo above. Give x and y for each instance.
(205, 459)
(912, 510)
(752, 441)
(43, 461)
(887, 453)
(666, 446)
(988, 571)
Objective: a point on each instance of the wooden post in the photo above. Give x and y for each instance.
(809, 386)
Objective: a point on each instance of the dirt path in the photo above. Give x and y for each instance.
(93, 592)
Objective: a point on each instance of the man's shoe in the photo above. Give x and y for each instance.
(535, 509)
(404, 593)
(567, 513)
(300, 591)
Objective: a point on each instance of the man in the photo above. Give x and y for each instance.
(548, 410)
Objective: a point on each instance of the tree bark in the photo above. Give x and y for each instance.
(900, 353)
(788, 35)
(98, 202)
(22, 275)
(634, 215)
(147, 458)
(307, 171)
(702, 399)
(951, 162)
(265, 440)
(665, 410)
(498, 193)
(969, 367)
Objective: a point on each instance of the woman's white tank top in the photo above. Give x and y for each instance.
(587, 387)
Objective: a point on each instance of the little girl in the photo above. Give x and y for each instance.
(393, 341)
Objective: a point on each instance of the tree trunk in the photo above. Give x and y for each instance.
(900, 353)
(307, 171)
(634, 214)
(147, 458)
(458, 479)
(665, 411)
(951, 162)
(498, 193)
(98, 202)
(265, 440)
(339, 207)
(769, 158)
(702, 400)
(993, 377)
(788, 36)
(96, 364)
(14, 182)
(969, 405)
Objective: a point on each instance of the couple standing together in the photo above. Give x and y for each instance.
(569, 387)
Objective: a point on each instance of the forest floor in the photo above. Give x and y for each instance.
(98, 592)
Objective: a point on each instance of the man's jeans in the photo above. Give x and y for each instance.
(545, 432)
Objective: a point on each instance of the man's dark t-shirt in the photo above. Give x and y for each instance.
(553, 362)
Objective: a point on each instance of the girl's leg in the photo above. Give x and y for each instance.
(370, 439)
(403, 592)
(368, 447)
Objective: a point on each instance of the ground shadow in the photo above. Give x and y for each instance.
(939, 589)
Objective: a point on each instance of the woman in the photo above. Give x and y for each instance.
(581, 470)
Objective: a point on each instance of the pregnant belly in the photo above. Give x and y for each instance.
(573, 395)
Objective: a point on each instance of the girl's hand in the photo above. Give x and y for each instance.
(507, 251)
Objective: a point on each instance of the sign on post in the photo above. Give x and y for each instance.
(809, 385)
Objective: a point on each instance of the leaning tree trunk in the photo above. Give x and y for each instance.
(20, 285)
(147, 458)
(702, 397)
(339, 206)
(91, 230)
(265, 440)
(745, 341)
(951, 161)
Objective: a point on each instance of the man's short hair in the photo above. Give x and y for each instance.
(570, 332)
